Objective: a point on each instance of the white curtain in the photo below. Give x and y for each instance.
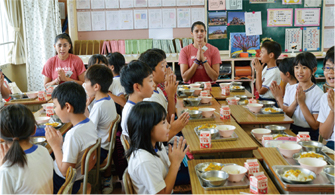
(42, 25)
(13, 11)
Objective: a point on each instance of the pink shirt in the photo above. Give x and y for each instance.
(189, 53)
(72, 64)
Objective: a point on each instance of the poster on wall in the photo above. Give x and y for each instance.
(234, 4)
(307, 17)
(236, 18)
(98, 20)
(293, 39)
(312, 3)
(197, 2)
(126, 19)
(253, 24)
(216, 5)
(141, 19)
(240, 42)
(262, 1)
(140, 3)
(112, 4)
(169, 18)
(286, 2)
(83, 4)
(311, 38)
(126, 4)
(217, 32)
(84, 21)
(328, 38)
(167, 3)
(329, 12)
(217, 18)
(97, 4)
(280, 17)
(113, 20)
(198, 14)
(155, 18)
(183, 2)
(154, 3)
(184, 17)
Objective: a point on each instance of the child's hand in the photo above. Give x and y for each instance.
(300, 95)
(171, 85)
(330, 98)
(177, 152)
(89, 100)
(2, 79)
(168, 73)
(276, 90)
(257, 65)
(54, 137)
(181, 122)
(3, 151)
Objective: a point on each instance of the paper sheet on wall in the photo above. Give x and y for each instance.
(163, 33)
(83, 4)
(140, 3)
(169, 18)
(312, 3)
(279, 17)
(98, 20)
(183, 2)
(234, 4)
(330, 2)
(155, 3)
(307, 17)
(126, 3)
(183, 17)
(293, 39)
(112, 4)
(167, 3)
(253, 24)
(97, 4)
(112, 21)
(198, 14)
(197, 2)
(62, 10)
(262, 1)
(329, 12)
(216, 5)
(155, 18)
(141, 19)
(328, 38)
(311, 38)
(84, 21)
(285, 2)
(126, 19)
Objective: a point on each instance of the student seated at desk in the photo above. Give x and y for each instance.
(25, 168)
(70, 104)
(4, 88)
(97, 59)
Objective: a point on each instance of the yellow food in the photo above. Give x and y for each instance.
(214, 179)
(191, 97)
(280, 135)
(235, 87)
(212, 167)
(310, 155)
(194, 108)
(270, 110)
(206, 126)
(296, 175)
(55, 124)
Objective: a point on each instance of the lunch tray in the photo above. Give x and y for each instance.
(260, 141)
(201, 118)
(321, 179)
(241, 89)
(218, 138)
(292, 161)
(182, 95)
(260, 114)
(228, 185)
(201, 104)
(23, 99)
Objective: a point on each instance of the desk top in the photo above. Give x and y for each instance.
(196, 186)
(216, 93)
(27, 102)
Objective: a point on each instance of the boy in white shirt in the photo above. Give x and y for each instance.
(70, 104)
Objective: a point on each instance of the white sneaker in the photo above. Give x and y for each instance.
(108, 185)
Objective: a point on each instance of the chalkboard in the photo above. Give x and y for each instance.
(276, 33)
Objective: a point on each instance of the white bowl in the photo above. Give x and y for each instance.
(222, 85)
(195, 85)
(40, 120)
(32, 94)
(207, 112)
(205, 99)
(288, 149)
(236, 172)
(255, 107)
(226, 130)
(46, 105)
(197, 91)
(258, 133)
(313, 164)
(232, 100)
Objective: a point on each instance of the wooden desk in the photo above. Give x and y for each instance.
(196, 186)
(272, 157)
(33, 105)
(216, 93)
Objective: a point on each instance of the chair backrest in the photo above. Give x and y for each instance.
(128, 184)
(326, 87)
(69, 180)
(125, 143)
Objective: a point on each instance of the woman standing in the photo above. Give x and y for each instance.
(199, 61)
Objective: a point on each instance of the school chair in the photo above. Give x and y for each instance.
(326, 87)
(69, 180)
(128, 184)
(90, 158)
(125, 143)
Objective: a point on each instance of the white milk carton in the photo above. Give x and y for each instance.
(205, 139)
(252, 166)
(259, 183)
(266, 137)
(303, 136)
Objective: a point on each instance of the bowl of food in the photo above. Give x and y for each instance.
(197, 91)
(208, 166)
(195, 85)
(41, 120)
(32, 94)
(223, 85)
(311, 146)
(329, 171)
(194, 113)
(276, 129)
(37, 140)
(16, 96)
(214, 178)
(296, 175)
(259, 132)
(226, 130)
(232, 100)
(192, 101)
(289, 149)
(46, 105)
(267, 103)
(236, 83)
(207, 112)
(205, 126)
(236, 173)
(254, 107)
(205, 99)
(313, 164)
(299, 155)
(188, 92)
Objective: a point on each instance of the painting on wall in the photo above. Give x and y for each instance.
(217, 32)
(240, 42)
(217, 18)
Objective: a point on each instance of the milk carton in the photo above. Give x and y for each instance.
(259, 183)
(266, 137)
(204, 93)
(225, 112)
(303, 136)
(252, 166)
(205, 139)
(207, 86)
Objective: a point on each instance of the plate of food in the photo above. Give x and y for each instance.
(276, 136)
(296, 175)
(310, 154)
(210, 166)
(205, 126)
(272, 110)
(236, 88)
(54, 124)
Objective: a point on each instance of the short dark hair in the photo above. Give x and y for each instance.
(101, 75)
(135, 72)
(159, 51)
(72, 93)
(330, 57)
(94, 58)
(286, 65)
(306, 59)
(330, 50)
(117, 60)
(143, 117)
(151, 58)
(17, 123)
(67, 37)
(198, 23)
(272, 47)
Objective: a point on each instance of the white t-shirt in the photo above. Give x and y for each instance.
(102, 115)
(269, 75)
(125, 113)
(324, 112)
(76, 140)
(159, 97)
(148, 171)
(35, 178)
(313, 95)
(116, 88)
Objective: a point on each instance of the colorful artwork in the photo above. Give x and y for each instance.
(217, 18)
(291, 2)
(307, 17)
(240, 42)
(236, 18)
(280, 17)
(217, 32)
(311, 38)
(262, 1)
(293, 39)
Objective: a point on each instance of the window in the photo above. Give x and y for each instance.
(6, 36)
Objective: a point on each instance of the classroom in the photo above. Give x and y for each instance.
(167, 96)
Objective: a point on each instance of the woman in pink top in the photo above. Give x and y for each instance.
(64, 66)
(199, 61)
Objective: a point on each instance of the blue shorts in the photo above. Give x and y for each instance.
(59, 181)
(103, 155)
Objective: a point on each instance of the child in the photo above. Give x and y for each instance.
(97, 59)
(287, 76)
(302, 100)
(152, 171)
(136, 78)
(326, 114)
(270, 51)
(25, 168)
(70, 103)
(115, 62)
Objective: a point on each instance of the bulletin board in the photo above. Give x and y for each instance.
(276, 33)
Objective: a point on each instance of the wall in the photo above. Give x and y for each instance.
(17, 74)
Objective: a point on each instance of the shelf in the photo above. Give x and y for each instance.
(320, 78)
(244, 80)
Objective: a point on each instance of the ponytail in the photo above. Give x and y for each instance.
(16, 155)
(313, 79)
